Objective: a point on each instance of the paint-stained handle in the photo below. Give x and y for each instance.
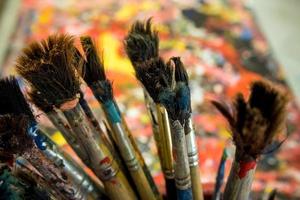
(239, 182)
(186, 194)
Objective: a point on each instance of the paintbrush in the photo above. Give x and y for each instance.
(254, 124)
(141, 45)
(191, 143)
(15, 97)
(16, 141)
(220, 176)
(47, 67)
(94, 76)
(176, 99)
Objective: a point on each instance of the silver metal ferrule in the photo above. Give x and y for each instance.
(182, 169)
(125, 146)
(191, 144)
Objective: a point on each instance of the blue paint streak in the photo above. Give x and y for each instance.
(39, 139)
(112, 112)
(185, 194)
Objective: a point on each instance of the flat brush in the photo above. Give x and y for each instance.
(192, 149)
(220, 176)
(48, 68)
(95, 77)
(254, 124)
(141, 45)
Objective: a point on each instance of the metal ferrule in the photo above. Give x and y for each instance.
(100, 159)
(191, 144)
(182, 169)
(165, 141)
(126, 149)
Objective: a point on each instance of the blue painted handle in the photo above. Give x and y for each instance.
(112, 112)
(185, 194)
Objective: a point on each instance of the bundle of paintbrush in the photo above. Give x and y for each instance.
(14, 104)
(254, 124)
(48, 67)
(165, 83)
(94, 75)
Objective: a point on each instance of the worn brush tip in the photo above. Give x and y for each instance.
(155, 75)
(13, 134)
(180, 71)
(48, 66)
(93, 70)
(177, 102)
(255, 123)
(142, 42)
(12, 100)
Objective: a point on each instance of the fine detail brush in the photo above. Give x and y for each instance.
(15, 97)
(141, 45)
(47, 68)
(254, 123)
(192, 149)
(220, 176)
(94, 76)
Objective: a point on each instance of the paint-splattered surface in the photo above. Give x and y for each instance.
(219, 43)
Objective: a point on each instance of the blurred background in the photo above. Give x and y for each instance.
(225, 45)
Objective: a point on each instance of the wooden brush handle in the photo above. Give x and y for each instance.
(196, 183)
(100, 159)
(170, 188)
(192, 151)
(236, 187)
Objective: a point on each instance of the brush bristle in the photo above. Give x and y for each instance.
(104, 89)
(180, 71)
(13, 134)
(154, 75)
(93, 70)
(38, 99)
(177, 102)
(255, 123)
(12, 100)
(48, 67)
(141, 43)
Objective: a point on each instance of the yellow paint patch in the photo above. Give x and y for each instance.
(58, 139)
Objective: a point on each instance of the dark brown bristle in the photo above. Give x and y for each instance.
(255, 123)
(142, 42)
(12, 100)
(13, 134)
(38, 99)
(155, 75)
(180, 71)
(48, 67)
(93, 70)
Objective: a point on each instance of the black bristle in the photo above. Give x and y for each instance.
(12, 100)
(141, 43)
(104, 89)
(154, 75)
(13, 134)
(93, 70)
(48, 67)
